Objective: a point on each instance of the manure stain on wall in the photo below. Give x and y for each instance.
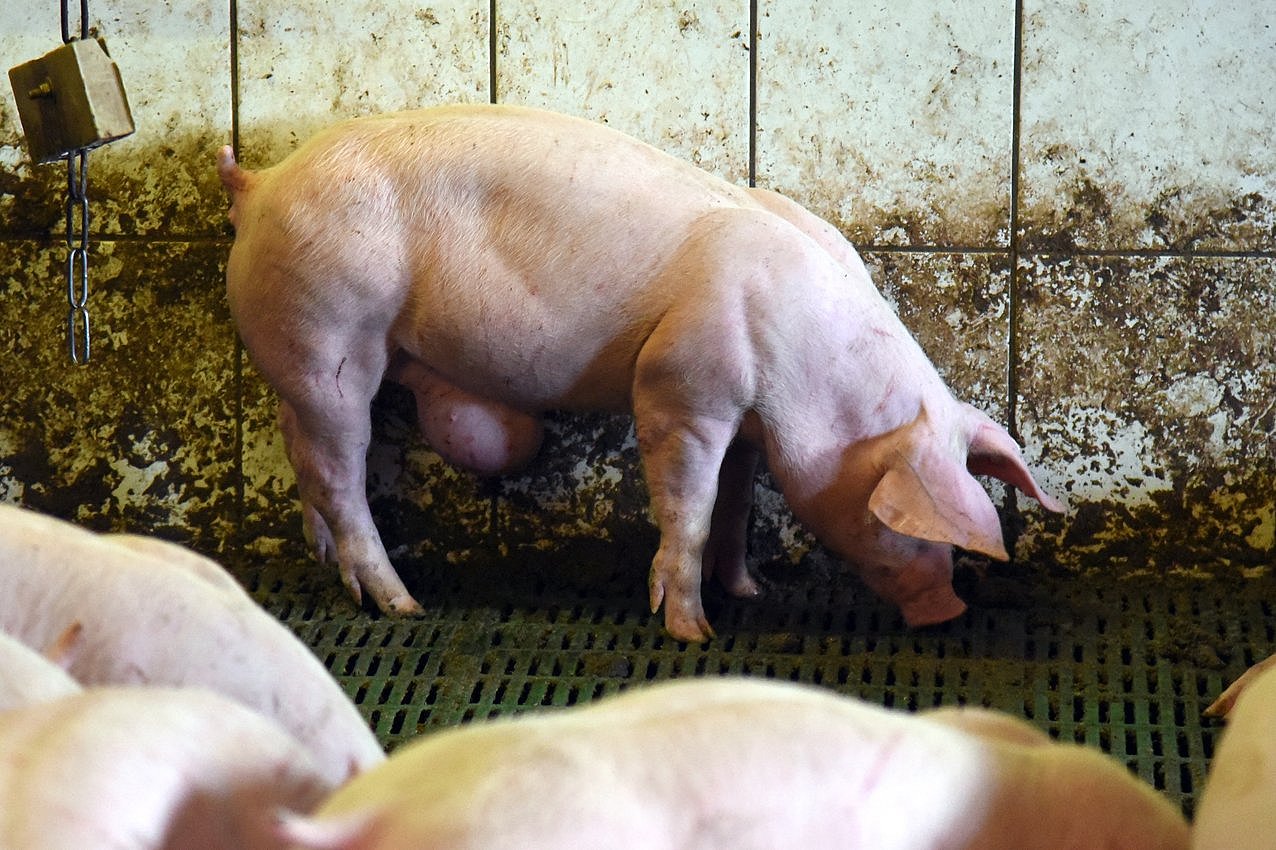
(141, 438)
(1079, 207)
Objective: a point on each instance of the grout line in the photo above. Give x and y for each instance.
(875, 248)
(234, 76)
(1014, 305)
(491, 51)
(1016, 247)
(753, 92)
(239, 542)
(863, 247)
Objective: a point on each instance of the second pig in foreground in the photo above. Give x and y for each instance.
(739, 764)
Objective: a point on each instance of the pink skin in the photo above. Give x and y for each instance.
(153, 613)
(1236, 810)
(147, 769)
(502, 262)
(28, 677)
(1222, 706)
(740, 764)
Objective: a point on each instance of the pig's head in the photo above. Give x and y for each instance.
(902, 500)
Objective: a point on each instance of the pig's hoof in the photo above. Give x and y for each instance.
(402, 606)
(741, 585)
(692, 629)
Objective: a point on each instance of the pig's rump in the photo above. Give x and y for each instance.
(743, 764)
(147, 768)
(153, 613)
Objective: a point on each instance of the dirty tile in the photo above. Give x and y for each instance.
(957, 306)
(175, 64)
(423, 508)
(586, 483)
(1146, 398)
(271, 515)
(1148, 125)
(675, 76)
(892, 121)
(305, 66)
(142, 437)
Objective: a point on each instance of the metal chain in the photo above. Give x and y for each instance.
(77, 227)
(77, 259)
(67, 38)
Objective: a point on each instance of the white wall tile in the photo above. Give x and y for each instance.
(305, 66)
(175, 63)
(673, 75)
(891, 120)
(1149, 125)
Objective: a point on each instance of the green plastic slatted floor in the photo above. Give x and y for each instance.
(1126, 666)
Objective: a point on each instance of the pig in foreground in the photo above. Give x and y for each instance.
(1238, 807)
(28, 677)
(148, 768)
(1222, 706)
(734, 764)
(501, 262)
(151, 612)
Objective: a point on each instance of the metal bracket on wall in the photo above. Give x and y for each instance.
(70, 101)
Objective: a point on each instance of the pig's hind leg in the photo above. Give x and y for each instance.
(327, 436)
(727, 547)
(681, 453)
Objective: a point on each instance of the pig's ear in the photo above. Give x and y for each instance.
(927, 495)
(993, 452)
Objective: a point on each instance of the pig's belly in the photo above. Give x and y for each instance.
(533, 360)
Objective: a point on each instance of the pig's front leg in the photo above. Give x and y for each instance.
(681, 458)
(727, 547)
(686, 414)
(329, 456)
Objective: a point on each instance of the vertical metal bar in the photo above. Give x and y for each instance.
(1014, 306)
(753, 92)
(492, 44)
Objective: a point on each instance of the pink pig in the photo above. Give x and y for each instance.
(146, 769)
(149, 612)
(28, 677)
(502, 261)
(1238, 807)
(738, 764)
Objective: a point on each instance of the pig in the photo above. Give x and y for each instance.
(152, 612)
(148, 767)
(1222, 706)
(501, 262)
(740, 763)
(28, 677)
(1237, 810)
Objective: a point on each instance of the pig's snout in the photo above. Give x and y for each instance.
(921, 587)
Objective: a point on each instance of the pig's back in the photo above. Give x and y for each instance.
(518, 248)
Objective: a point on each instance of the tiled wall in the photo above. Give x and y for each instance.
(1073, 205)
